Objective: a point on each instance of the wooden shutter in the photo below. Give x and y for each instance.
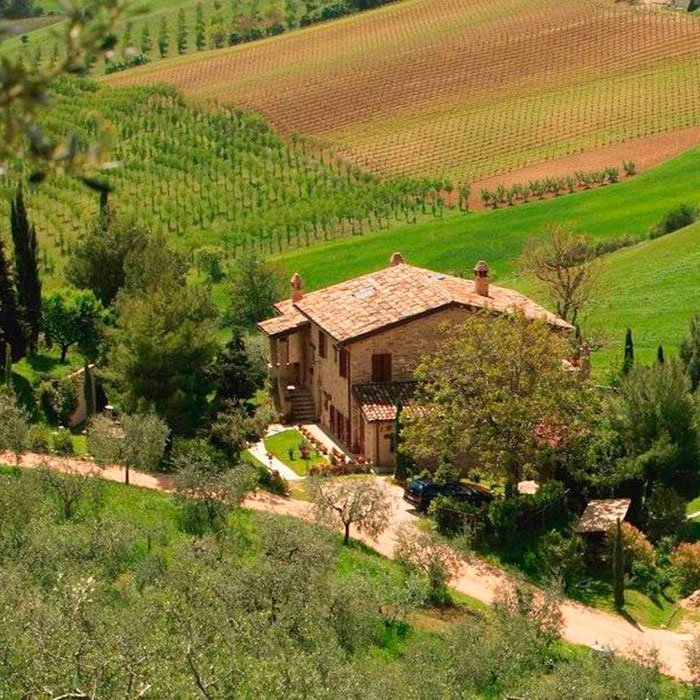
(321, 343)
(343, 361)
(381, 367)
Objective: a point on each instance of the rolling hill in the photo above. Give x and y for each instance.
(463, 89)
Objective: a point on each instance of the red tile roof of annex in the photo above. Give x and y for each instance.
(367, 304)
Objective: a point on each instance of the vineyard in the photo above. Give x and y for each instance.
(210, 178)
(463, 89)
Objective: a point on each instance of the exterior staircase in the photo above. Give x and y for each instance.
(303, 410)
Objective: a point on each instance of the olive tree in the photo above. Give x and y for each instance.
(14, 426)
(138, 442)
(362, 502)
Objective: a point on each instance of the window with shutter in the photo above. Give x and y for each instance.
(381, 367)
(343, 362)
(321, 343)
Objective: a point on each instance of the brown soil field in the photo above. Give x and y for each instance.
(463, 89)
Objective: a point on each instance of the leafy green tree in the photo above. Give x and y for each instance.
(618, 567)
(14, 426)
(489, 388)
(73, 317)
(362, 502)
(690, 351)
(199, 35)
(254, 288)
(402, 461)
(656, 417)
(233, 376)
(137, 442)
(8, 366)
(181, 31)
(27, 269)
(146, 41)
(12, 330)
(163, 37)
(98, 260)
(163, 342)
(628, 361)
(218, 37)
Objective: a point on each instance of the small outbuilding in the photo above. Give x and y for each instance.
(602, 514)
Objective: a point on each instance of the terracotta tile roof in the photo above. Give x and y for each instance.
(378, 401)
(600, 515)
(397, 293)
(289, 319)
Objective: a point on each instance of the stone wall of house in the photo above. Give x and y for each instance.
(80, 414)
(328, 387)
(407, 343)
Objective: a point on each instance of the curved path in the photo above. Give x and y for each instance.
(582, 625)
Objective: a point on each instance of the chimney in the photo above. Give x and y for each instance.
(481, 278)
(396, 259)
(297, 287)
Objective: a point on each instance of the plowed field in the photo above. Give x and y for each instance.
(464, 89)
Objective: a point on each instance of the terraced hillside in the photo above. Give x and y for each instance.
(207, 177)
(463, 88)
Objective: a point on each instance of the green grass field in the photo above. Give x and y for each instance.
(654, 288)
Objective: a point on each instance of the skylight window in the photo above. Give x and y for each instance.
(365, 293)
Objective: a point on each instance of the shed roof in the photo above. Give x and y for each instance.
(601, 514)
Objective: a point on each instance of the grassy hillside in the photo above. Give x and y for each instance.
(219, 177)
(654, 289)
(628, 208)
(463, 88)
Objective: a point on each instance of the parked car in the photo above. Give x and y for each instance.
(422, 492)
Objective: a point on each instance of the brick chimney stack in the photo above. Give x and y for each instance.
(396, 259)
(297, 287)
(481, 278)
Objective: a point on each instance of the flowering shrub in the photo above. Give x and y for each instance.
(638, 549)
(686, 561)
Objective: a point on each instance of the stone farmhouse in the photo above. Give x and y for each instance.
(343, 356)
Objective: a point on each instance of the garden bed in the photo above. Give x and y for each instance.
(287, 447)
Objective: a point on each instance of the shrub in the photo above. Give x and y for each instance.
(561, 556)
(453, 517)
(637, 548)
(272, 481)
(62, 443)
(677, 218)
(532, 513)
(38, 440)
(630, 168)
(210, 260)
(686, 562)
(57, 399)
(138, 59)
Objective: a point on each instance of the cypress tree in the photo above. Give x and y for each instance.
(402, 463)
(163, 38)
(181, 31)
(199, 37)
(628, 362)
(618, 563)
(10, 324)
(27, 269)
(660, 355)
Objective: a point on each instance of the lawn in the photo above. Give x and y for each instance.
(285, 446)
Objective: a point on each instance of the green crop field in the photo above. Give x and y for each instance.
(207, 177)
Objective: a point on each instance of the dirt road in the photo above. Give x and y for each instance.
(582, 625)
